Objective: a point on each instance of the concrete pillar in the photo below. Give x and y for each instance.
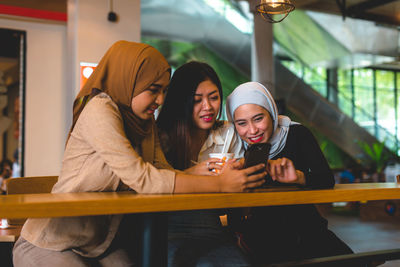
(262, 58)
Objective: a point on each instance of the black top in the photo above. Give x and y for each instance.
(276, 233)
(303, 150)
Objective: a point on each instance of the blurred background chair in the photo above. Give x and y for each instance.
(29, 185)
(24, 185)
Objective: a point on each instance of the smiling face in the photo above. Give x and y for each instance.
(144, 104)
(206, 105)
(253, 123)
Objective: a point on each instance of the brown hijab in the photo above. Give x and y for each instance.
(125, 71)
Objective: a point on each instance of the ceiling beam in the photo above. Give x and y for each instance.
(378, 19)
(304, 3)
(342, 6)
(358, 11)
(363, 6)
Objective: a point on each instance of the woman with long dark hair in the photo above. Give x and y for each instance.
(190, 129)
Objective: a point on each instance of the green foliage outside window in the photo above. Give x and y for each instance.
(316, 77)
(385, 98)
(364, 99)
(294, 67)
(377, 154)
(345, 93)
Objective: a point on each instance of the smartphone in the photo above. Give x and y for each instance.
(256, 154)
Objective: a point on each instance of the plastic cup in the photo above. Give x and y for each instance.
(223, 156)
(3, 223)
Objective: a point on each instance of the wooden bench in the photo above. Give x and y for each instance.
(24, 185)
(21, 185)
(31, 185)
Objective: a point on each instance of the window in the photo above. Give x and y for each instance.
(386, 112)
(345, 95)
(364, 99)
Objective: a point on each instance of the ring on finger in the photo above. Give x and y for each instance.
(208, 166)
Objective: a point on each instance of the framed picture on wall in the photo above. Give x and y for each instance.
(12, 102)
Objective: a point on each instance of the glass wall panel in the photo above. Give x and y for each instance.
(316, 78)
(344, 94)
(388, 138)
(364, 99)
(385, 104)
(398, 103)
(294, 67)
(357, 100)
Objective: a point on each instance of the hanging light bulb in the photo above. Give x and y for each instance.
(268, 8)
(275, 3)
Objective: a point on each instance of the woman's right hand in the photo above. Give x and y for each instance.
(206, 167)
(234, 179)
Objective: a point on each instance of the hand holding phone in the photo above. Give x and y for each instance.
(256, 154)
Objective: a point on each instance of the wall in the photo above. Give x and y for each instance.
(93, 34)
(52, 71)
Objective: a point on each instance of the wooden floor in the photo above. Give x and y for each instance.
(363, 236)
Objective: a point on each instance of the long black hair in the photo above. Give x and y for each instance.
(175, 119)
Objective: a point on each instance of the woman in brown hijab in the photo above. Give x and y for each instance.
(113, 146)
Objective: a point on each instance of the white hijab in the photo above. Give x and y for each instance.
(256, 93)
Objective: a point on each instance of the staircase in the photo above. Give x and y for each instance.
(162, 19)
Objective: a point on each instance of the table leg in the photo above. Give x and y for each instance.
(154, 240)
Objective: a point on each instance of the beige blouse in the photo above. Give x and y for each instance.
(98, 157)
(216, 139)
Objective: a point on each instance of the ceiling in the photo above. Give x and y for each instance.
(381, 12)
(316, 41)
(385, 12)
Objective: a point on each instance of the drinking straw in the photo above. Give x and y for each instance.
(227, 142)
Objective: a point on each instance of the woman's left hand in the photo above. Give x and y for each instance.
(282, 170)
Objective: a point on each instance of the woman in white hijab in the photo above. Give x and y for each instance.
(284, 232)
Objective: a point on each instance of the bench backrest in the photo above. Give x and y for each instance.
(29, 185)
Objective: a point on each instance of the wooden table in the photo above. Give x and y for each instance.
(154, 206)
(10, 234)
(98, 203)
